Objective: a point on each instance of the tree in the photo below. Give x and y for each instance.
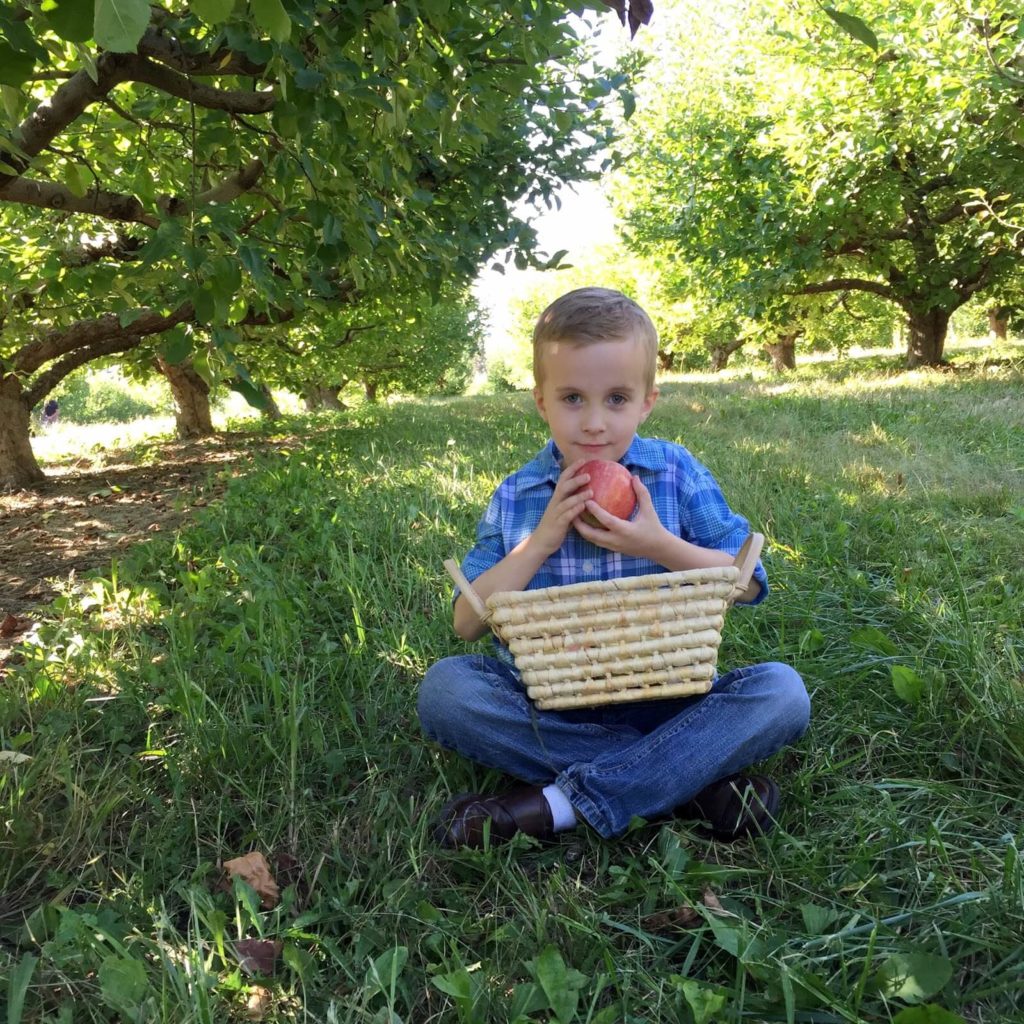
(825, 156)
(399, 343)
(171, 180)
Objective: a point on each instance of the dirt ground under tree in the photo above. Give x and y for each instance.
(91, 510)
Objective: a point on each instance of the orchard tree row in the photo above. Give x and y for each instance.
(800, 171)
(217, 189)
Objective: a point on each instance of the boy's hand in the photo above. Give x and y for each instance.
(568, 502)
(643, 536)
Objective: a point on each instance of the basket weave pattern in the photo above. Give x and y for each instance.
(613, 641)
(638, 638)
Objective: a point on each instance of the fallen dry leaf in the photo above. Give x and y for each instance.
(681, 918)
(711, 902)
(254, 869)
(13, 624)
(258, 1003)
(258, 956)
(674, 920)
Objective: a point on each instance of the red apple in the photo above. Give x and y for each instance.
(612, 485)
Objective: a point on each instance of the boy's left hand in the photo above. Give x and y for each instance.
(643, 536)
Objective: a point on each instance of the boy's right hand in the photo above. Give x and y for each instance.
(566, 504)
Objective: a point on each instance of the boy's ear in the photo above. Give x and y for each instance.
(652, 397)
(538, 398)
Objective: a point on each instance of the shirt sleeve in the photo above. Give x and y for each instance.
(489, 548)
(705, 513)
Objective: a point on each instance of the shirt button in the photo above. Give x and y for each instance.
(588, 566)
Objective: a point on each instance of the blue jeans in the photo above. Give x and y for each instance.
(621, 760)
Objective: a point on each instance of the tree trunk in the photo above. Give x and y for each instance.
(998, 322)
(370, 390)
(329, 399)
(271, 411)
(191, 399)
(720, 353)
(783, 352)
(319, 396)
(927, 337)
(18, 466)
(311, 397)
(666, 360)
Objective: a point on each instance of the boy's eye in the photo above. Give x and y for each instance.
(618, 399)
(571, 399)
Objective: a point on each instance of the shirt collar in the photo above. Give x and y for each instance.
(546, 466)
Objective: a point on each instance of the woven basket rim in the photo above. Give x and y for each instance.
(654, 580)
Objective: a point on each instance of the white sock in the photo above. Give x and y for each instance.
(563, 816)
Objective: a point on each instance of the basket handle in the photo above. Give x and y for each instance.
(474, 599)
(746, 562)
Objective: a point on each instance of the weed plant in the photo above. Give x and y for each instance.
(251, 686)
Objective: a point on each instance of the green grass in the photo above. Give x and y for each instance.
(251, 685)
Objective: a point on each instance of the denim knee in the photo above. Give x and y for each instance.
(451, 693)
(433, 703)
(790, 702)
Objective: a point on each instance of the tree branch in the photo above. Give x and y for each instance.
(52, 195)
(168, 50)
(85, 333)
(845, 284)
(346, 339)
(117, 206)
(70, 100)
(46, 382)
(235, 101)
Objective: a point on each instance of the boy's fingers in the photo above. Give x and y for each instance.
(643, 496)
(605, 518)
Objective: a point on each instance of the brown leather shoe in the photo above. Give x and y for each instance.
(462, 822)
(737, 806)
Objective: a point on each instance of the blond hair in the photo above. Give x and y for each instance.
(589, 315)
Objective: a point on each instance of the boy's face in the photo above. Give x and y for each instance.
(593, 397)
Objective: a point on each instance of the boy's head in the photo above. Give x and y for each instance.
(589, 315)
(594, 361)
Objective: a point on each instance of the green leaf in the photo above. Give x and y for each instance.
(119, 24)
(853, 26)
(18, 981)
(561, 984)
(123, 982)
(16, 66)
(628, 103)
(72, 19)
(176, 345)
(930, 1014)
(271, 16)
(253, 395)
(914, 977)
(907, 683)
(817, 918)
(874, 640)
(213, 12)
(75, 179)
(13, 101)
(384, 972)
(704, 1002)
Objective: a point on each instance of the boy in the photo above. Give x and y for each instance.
(594, 357)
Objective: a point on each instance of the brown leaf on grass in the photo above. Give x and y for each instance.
(682, 918)
(13, 624)
(258, 1003)
(258, 956)
(711, 902)
(675, 920)
(254, 869)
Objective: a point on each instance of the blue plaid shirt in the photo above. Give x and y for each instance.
(686, 496)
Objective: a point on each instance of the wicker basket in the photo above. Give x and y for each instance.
(636, 638)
